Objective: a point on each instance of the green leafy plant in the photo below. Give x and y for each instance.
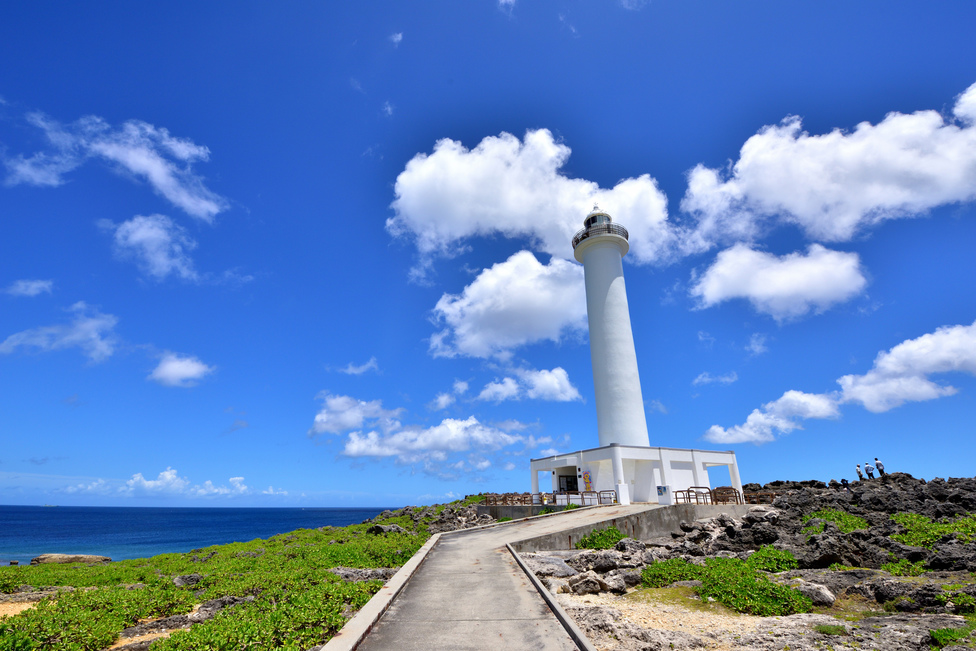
(844, 521)
(840, 567)
(770, 559)
(904, 567)
(297, 603)
(546, 511)
(506, 519)
(600, 539)
(732, 583)
(920, 531)
(571, 506)
(963, 603)
(945, 636)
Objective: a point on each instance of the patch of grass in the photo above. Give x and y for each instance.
(571, 506)
(504, 519)
(600, 539)
(844, 521)
(678, 596)
(830, 629)
(904, 567)
(921, 531)
(964, 603)
(839, 567)
(546, 511)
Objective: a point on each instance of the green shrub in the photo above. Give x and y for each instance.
(904, 567)
(504, 519)
(661, 574)
(571, 506)
(546, 511)
(946, 636)
(844, 521)
(600, 539)
(732, 583)
(770, 559)
(964, 603)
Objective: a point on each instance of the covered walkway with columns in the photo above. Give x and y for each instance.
(635, 473)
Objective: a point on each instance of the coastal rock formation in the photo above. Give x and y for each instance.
(69, 558)
(903, 609)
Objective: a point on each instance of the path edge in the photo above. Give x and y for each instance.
(572, 629)
(353, 632)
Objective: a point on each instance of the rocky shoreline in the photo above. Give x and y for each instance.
(856, 603)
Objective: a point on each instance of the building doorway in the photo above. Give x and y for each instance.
(568, 483)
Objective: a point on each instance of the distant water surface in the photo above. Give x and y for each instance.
(137, 532)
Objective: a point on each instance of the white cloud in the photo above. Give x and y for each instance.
(777, 417)
(415, 444)
(136, 149)
(442, 401)
(505, 389)
(708, 378)
(834, 185)
(344, 413)
(351, 369)
(511, 304)
(513, 188)
(757, 344)
(388, 109)
(899, 375)
(176, 370)
(158, 245)
(509, 466)
(89, 330)
(549, 385)
(537, 385)
(460, 387)
(29, 287)
(168, 481)
(784, 287)
(396, 38)
(271, 490)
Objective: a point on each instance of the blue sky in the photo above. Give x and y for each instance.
(319, 253)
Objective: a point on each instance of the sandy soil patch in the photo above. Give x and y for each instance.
(12, 608)
(720, 627)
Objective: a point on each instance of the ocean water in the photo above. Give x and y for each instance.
(137, 532)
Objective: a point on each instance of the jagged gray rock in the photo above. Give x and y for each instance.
(44, 559)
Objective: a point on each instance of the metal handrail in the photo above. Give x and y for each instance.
(600, 229)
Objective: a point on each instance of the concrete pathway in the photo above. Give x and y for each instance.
(471, 594)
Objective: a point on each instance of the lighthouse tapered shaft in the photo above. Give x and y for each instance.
(616, 382)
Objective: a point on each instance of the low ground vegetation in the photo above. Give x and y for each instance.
(293, 590)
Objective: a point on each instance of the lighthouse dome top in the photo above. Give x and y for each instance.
(598, 225)
(597, 216)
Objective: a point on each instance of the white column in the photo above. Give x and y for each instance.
(734, 474)
(619, 402)
(535, 481)
(619, 479)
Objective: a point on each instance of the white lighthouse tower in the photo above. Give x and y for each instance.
(624, 467)
(601, 246)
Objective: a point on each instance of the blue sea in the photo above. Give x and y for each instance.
(137, 532)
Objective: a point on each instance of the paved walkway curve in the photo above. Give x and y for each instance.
(470, 592)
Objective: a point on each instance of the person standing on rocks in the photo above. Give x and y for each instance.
(843, 482)
(880, 467)
(869, 469)
(860, 475)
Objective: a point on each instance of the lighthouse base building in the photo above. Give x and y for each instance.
(634, 473)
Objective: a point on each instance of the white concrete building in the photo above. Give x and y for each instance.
(625, 462)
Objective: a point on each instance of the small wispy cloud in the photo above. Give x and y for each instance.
(29, 287)
(135, 149)
(89, 330)
(158, 246)
(708, 378)
(388, 109)
(352, 369)
(757, 344)
(396, 38)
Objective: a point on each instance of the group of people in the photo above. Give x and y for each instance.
(868, 470)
